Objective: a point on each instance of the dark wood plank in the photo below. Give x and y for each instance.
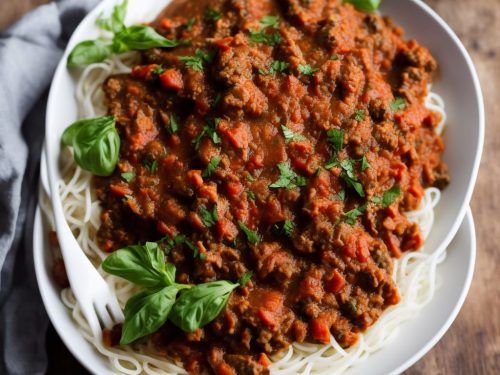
(472, 345)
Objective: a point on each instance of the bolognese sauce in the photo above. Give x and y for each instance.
(289, 139)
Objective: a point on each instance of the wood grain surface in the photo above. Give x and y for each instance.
(472, 345)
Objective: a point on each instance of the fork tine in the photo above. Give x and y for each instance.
(115, 309)
(92, 320)
(103, 315)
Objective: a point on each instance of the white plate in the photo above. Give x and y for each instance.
(457, 84)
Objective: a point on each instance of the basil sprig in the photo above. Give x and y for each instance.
(96, 144)
(124, 39)
(148, 310)
(365, 5)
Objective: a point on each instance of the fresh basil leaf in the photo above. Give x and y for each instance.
(190, 23)
(141, 265)
(365, 5)
(174, 123)
(376, 200)
(279, 66)
(146, 312)
(96, 144)
(116, 22)
(390, 196)
(89, 52)
(140, 38)
(252, 236)
(198, 306)
(341, 195)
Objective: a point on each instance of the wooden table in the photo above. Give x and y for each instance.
(472, 345)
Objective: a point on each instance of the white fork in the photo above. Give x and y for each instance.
(96, 300)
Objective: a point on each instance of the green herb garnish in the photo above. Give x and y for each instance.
(124, 39)
(196, 62)
(351, 216)
(285, 227)
(190, 23)
(365, 5)
(288, 178)
(211, 167)
(96, 144)
(128, 176)
(307, 69)
(212, 14)
(398, 104)
(209, 218)
(290, 136)
(360, 115)
(252, 236)
(209, 130)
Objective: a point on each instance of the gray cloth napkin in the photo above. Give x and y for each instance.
(29, 53)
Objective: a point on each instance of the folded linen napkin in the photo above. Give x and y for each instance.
(29, 53)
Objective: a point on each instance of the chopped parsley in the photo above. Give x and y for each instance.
(252, 236)
(151, 165)
(390, 196)
(209, 218)
(212, 14)
(269, 21)
(334, 57)
(398, 104)
(262, 37)
(341, 195)
(196, 62)
(251, 194)
(349, 177)
(128, 176)
(211, 167)
(351, 216)
(364, 163)
(250, 178)
(307, 69)
(336, 139)
(217, 99)
(209, 130)
(174, 124)
(279, 66)
(290, 136)
(288, 178)
(190, 23)
(126, 198)
(285, 227)
(360, 115)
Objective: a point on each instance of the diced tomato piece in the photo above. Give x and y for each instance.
(267, 318)
(143, 71)
(393, 244)
(234, 189)
(336, 283)
(224, 369)
(120, 190)
(226, 229)
(194, 177)
(264, 360)
(172, 79)
(166, 23)
(320, 330)
(224, 44)
(133, 89)
(162, 227)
